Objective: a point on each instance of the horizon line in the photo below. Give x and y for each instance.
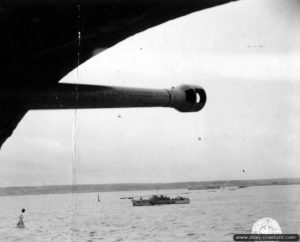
(149, 183)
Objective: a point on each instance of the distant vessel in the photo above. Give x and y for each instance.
(206, 187)
(216, 187)
(159, 200)
(232, 188)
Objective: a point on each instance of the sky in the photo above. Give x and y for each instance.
(246, 56)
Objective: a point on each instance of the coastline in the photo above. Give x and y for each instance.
(89, 188)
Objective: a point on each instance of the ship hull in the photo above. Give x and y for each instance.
(151, 202)
(185, 201)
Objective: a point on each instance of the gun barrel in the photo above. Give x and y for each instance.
(185, 98)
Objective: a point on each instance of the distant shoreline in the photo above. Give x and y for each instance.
(90, 188)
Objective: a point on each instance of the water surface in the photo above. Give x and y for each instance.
(211, 216)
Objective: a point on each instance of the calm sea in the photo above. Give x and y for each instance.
(211, 216)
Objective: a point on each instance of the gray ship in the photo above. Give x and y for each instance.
(159, 200)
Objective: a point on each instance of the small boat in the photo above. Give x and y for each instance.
(232, 188)
(159, 200)
(126, 198)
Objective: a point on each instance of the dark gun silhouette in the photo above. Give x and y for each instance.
(42, 41)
